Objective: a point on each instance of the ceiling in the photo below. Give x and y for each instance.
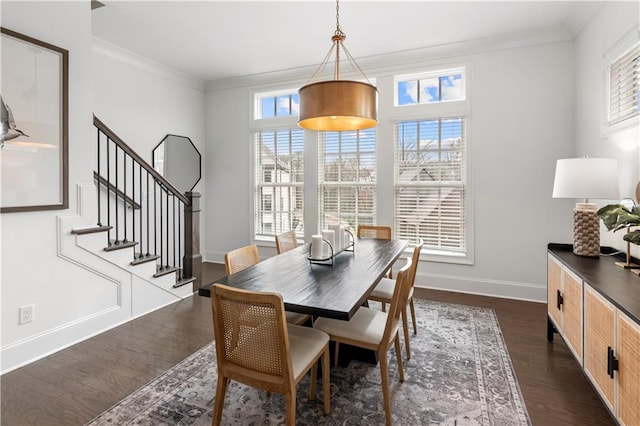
(214, 40)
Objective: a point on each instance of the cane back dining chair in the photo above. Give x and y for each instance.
(374, 330)
(374, 231)
(383, 293)
(255, 346)
(243, 257)
(286, 241)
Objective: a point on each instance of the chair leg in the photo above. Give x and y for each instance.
(290, 399)
(399, 356)
(335, 361)
(314, 377)
(413, 316)
(326, 387)
(384, 375)
(384, 307)
(405, 329)
(221, 390)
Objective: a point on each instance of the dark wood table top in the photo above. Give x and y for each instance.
(322, 290)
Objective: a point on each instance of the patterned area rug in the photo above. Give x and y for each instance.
(459, 374)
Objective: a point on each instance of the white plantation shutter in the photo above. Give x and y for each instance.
(624, 87)
(430, 183)
(347, 178)
(279, 181)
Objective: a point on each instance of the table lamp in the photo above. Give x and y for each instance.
(586, 178)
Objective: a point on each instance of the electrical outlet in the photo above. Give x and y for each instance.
(25, 314)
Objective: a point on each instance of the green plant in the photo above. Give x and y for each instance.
(617, 216)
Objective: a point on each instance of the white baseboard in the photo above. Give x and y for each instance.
(484, 287)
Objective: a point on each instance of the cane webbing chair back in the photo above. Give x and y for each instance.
(241, 258)
(371, 231)
(286, 241)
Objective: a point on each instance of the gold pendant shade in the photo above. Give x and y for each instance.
(338, 105)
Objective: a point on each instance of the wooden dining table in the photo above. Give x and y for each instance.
(333, 290)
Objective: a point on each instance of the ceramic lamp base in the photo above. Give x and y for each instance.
(586, 231)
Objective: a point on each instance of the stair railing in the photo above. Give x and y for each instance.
(139, 207)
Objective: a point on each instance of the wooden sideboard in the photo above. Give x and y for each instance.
(594, 306)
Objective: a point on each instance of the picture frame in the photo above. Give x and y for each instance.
(34, 138)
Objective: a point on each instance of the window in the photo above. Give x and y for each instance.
(430, 163)
(277, 104)
(430, 183)
(347, 178)
(279, 175)
(624, 87)
(430, 88)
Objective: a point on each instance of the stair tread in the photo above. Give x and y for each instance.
(140, 259)
(119, 245)
(91, 230)
(184, 281)
(165, 271)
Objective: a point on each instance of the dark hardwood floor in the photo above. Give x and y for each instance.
(74, 385)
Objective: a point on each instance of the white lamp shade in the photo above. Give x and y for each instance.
(586, 178)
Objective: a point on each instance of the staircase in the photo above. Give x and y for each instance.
(142, 222)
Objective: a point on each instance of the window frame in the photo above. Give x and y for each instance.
(270, 124)
(620, 48)
(442, 110)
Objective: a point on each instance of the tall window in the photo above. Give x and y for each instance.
(430, 163)
(279, 164)
(279, 183)
(624, 87)
(347, 177)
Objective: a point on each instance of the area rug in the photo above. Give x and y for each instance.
(460, 373)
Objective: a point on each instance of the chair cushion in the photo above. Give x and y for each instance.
(367, 326)
(305, 344)
(295, 317)
(384, 289)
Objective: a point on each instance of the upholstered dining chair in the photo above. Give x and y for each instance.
(374, 330)
(264, 352)
(286, 241)
(243, 257)
(383, 293)
(379, 232)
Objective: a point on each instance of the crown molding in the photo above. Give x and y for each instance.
(120, 54)
(387, 62)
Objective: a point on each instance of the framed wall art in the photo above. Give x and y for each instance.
(34, 124)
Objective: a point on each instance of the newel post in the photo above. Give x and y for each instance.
(192, 258)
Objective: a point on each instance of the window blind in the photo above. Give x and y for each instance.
(347, 178)
(279, 181)
(624, 87)
(430, 176)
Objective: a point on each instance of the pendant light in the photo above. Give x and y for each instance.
(338, 105)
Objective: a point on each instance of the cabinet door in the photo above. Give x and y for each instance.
(628, 371)
(572, 312)
(554, 280)
(599, 335)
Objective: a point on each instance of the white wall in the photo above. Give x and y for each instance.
(521, 121)
(141, 102)
(613, 25)
(32, 273)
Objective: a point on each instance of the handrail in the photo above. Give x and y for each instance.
(126, 148)
(119, 194)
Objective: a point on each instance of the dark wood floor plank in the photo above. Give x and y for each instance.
(78, 383)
